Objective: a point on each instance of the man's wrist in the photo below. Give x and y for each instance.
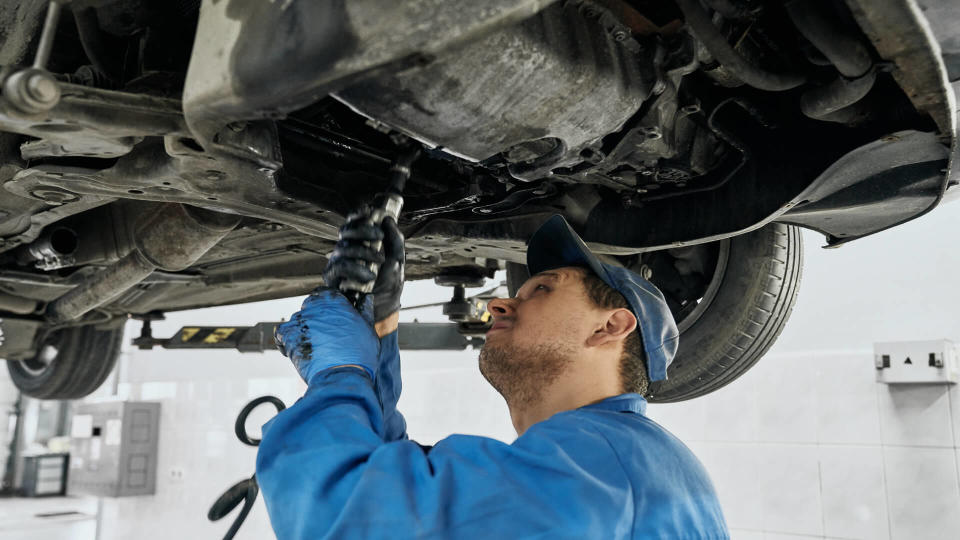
(388, 324)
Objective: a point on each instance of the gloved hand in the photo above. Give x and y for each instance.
(352, 254)
(329, 332)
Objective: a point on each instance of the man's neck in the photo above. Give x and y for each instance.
(563, 395)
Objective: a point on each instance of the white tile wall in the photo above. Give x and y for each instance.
(787, 399)
(915, 415)
(735, 472)
(790, 489)
(922, 493)
(953, 395)
(732, 415)
(778, 536)
(687, 419)
(853, 492)
(847, 398)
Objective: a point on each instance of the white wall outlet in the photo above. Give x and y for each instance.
(175, 475)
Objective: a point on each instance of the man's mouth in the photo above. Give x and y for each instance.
(498, 325)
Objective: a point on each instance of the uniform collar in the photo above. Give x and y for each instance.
(623, 403)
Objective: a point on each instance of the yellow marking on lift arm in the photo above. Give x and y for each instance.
(188, 333)
(486, 314)
(219, 335)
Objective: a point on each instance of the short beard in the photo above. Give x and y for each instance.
(522, 374)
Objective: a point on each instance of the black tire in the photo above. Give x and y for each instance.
(753, 302)
(84, 357)
(743, 306)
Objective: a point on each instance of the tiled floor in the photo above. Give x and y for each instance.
(48, 518)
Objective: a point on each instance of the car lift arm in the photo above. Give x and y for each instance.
(259, 337)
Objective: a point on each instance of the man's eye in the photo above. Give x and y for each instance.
(544, 287)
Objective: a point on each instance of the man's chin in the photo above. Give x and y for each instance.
(521, 374)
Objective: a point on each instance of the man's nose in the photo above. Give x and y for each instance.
(502, 307)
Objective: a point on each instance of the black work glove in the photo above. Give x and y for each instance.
(353, 254)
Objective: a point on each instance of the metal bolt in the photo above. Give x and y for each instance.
(619, 35)
(42, 88)
(32, 91)
(646, 272)
(484, 210)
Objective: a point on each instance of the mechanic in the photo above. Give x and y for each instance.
(571, 361)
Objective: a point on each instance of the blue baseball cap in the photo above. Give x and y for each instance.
(555, 245)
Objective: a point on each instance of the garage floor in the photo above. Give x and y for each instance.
(48, 518)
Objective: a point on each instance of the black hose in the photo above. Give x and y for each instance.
(822, 28)
(240, 426)
(253, 489)
(701, 25)
(244, 490)
(824, 102)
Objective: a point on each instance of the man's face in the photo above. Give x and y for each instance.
(537, 334)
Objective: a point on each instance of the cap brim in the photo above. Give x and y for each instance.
(555, 245)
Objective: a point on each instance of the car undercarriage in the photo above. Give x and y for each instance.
(161, 156)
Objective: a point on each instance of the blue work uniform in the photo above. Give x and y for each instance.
(338, 464)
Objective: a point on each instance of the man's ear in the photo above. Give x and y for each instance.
(618, 325)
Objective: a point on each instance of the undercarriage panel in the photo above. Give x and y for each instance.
(290, 114)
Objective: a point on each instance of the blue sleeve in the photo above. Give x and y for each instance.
(389, 386)
(325, 472)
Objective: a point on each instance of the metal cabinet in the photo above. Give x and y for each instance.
(114, 448)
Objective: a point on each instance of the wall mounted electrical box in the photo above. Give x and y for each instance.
(113, 447)
(906, 362)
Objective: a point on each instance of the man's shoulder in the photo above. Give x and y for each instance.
(626, 423)
(627, 433)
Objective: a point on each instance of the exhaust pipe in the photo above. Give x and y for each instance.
(54, 249)
(172, 239)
